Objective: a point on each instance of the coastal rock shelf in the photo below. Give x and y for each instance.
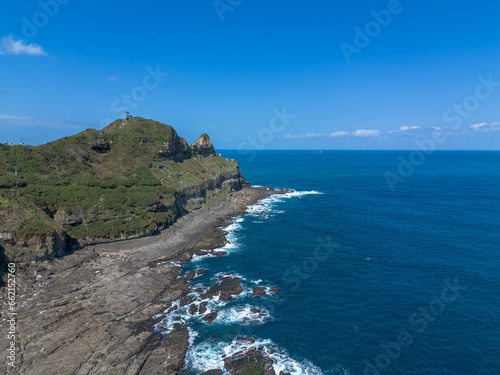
(94, 311)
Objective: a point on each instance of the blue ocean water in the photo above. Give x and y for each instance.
(373, 281)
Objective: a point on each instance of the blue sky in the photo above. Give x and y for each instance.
(278, 74)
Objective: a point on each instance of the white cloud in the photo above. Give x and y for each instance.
(112, 78)
(366, 133)
(307, 135)
(14, 120)
(485, 127)
(405, 132)
(479, 127)
(338, 133)
(405, 129)
(10, 46)
(6, 116)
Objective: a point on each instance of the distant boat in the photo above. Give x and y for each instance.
(319, 152)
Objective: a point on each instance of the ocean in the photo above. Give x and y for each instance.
(381, 271)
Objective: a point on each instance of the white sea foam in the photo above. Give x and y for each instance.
(228, 274)
(231, 242)
(203, 357)
(209, 355)
(247, 315)
(197, 258)
(265, 206)
(192, 336)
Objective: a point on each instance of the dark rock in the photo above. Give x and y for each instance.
(211, 316)
(173, 308)
(227, 287)
(284, 373)
(173, 347)
(187, 300)
(259, 315)
(190, 275)
(200, 271)
(253, 361)
(203, 308)
(276, 289)
(259, 291)
(193, 309)
(210, 252)
(100, 145)
(212, 372)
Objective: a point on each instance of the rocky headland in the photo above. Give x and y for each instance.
(92, 312)
(97, 225)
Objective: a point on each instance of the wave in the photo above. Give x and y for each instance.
(265, 205)
(209, 355)
(246, 315)
(231, 242)
(240, 311)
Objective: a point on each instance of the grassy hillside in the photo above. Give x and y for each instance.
(120, 181)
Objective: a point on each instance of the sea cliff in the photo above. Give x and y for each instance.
(129, 180)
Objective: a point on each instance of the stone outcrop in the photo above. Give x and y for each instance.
(209, 318)
(203, 146)
(213, 372)
(262, 290)
(100, 146)
(253, 360)
(176, 148)
(225, 288)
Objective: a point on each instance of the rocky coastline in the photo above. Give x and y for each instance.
(91, 312)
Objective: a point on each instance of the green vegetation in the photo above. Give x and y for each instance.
(112, 183)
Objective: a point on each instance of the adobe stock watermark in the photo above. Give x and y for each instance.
(137, 94)
(224, 6)
(364, 36)
(11, 314)
(32, 25)
(454, 115)
(266, 135)
(419, 321)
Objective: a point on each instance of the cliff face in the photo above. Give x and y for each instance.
(126, 181)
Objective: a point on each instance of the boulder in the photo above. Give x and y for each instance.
(187, 300)
(227, 287)
(259, 291)
(253, 361)
(203, 308)
(209, 318)
(200, 271)
(212, 372)
(193, 309)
